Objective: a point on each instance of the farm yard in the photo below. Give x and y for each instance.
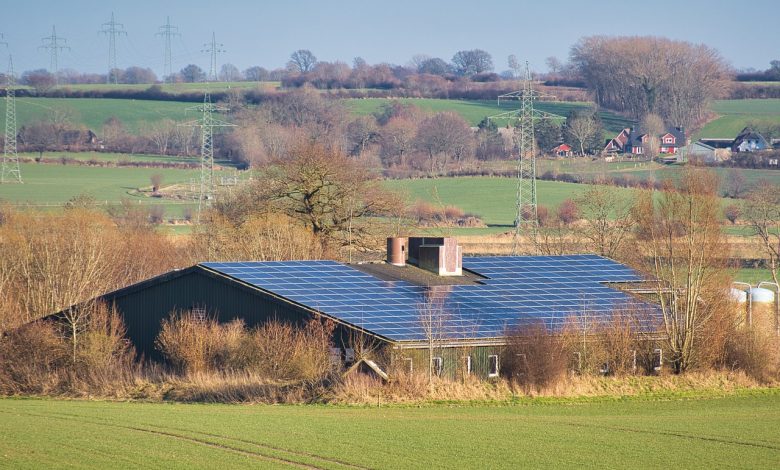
(686, 430)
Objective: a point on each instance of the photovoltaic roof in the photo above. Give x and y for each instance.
(516, 291)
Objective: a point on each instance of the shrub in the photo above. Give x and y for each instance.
(275, 350)
(568, 212)
(732, 212)
(534, 358)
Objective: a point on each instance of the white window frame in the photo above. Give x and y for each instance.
(410, 364)
(491, 373)
(660, 353)
(437, 365)
(467, 361)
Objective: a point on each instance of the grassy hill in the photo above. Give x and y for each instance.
(93, 112)
(673, 432)
(735, 115)
(475, 111)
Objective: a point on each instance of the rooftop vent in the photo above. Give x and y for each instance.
(396, 250)
(440, 255)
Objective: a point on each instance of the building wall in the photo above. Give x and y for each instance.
(453, 361)
(144, 310)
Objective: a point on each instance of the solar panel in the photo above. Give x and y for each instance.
(515, 291)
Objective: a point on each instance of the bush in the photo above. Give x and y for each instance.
(535, 359)
(274, 350)
(568, 212)
(732, 212)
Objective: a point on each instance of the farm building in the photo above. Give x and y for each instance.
(562, 150)
(750, 141)
(425, 296)
(634, 142)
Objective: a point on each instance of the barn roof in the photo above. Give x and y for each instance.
(504, 292)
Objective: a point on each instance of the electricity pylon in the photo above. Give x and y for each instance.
(207, 123)
(54, 44)
(213, 48)
(112, 29)
(167, 31)
(10, 167)
(526, 216)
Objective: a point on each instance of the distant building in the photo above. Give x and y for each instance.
(634, 142)
(750, 140)
(562, 150)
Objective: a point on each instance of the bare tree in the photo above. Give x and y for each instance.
(641, 75)
(736, 184)
(680, 237)
(472, 62)
(302, 61)
(762, 212)
(396, 140)
(443, 134)
(608, 219)
(360, 133)
(514, 65)
(434, 321)
(583, 128)
(553, 65)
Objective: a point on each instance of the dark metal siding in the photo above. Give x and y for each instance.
(144, 309)
(453, 360)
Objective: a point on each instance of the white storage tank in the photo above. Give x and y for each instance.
(738, 295)
(761, 295)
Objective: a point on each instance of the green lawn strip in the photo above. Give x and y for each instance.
(135, 115)
(475, 111)
(685, 431)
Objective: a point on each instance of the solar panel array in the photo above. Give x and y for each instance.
(516, 291)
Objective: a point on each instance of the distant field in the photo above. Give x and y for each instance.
(492, 199)
(475, 111)
(55, 184)
(93, 112)
(686, 432)
(735, 115)
(174, 88)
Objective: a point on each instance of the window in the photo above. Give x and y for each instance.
(437, 365)
(467, 365)
(409, 365)
(658, 359)
(349, 355)
(493, 366)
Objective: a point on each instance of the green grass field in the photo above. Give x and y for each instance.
(92, 113)
(492, 199)
(475, 111)
(174, 88)
(50, 184)
(735, 115)
(737, 431)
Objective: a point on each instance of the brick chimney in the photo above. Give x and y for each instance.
(440, 255)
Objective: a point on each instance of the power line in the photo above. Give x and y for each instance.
(207, 123)
(167, 31)
(54, 44)
(213, 48)
(526, 215)
(112, 29)
(10, 170)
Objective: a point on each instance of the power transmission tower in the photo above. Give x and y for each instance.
(167, 31)
(10, 167)
(207, 123)
(526, 216)
(213, 48)
(54, 44)
(112, 29)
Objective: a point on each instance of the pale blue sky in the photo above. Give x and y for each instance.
(746, 33)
